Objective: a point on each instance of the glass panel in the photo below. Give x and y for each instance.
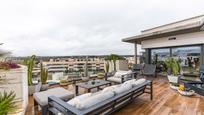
(189, 58)
(159, 54)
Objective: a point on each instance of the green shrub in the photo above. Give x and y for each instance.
(173, 65)
(7, 103)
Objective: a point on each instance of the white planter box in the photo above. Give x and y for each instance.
(17, 82)
(173, 79)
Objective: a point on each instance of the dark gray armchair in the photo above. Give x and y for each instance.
(197, 86)
(137, 68)
(149, 70)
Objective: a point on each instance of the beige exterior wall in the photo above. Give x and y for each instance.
(184, 39)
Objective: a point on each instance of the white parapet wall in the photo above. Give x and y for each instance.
(16, 80)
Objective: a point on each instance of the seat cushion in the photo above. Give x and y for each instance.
(115, 79)
(42, 97)
(94, 99)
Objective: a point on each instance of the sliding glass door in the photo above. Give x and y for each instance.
(158, 56)
(189, 57)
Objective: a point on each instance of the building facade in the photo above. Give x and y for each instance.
(183, 40)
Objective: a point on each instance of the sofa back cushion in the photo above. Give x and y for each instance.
(122, 88)
(138, 82)
(94, 99)
(78, 99)
(130, 81)
(135, 82)
(110, 88)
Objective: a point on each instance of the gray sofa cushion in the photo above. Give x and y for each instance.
(42, 97)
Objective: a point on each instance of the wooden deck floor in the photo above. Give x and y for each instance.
(165, 102)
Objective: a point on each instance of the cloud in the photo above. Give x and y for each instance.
(81, 27)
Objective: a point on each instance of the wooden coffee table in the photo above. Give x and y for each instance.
(91, 85)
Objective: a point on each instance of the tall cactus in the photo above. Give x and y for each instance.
(30, 64)
(43, 74)
(107, 67)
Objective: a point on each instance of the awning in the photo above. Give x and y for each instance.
(194, 26)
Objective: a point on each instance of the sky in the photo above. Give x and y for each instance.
(84, 27)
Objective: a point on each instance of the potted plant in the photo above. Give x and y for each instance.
(43, 78)
(31, 87)
(7, 102)
(173, 70)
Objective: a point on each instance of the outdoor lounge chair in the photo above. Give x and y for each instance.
(149, 70)
(197, 86)
(41, 98)
(120, 76)
(137, 68)
(106, 106)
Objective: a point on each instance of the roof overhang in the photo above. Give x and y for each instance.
(188, 28)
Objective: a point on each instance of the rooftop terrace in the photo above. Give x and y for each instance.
(165, 101)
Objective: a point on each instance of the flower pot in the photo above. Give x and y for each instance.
(44, 87)
(34, 88)
(173, 79)
(31, 90)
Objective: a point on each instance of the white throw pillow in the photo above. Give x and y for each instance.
(122, 88)
(79, 98)
(139, 81)
(95, 99)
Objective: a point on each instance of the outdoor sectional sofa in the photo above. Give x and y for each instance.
(104, 103)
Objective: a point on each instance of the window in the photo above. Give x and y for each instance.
(159, 54)
(189, 58)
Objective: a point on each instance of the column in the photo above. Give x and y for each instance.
(135, 53)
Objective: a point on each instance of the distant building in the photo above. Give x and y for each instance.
(72, 63)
